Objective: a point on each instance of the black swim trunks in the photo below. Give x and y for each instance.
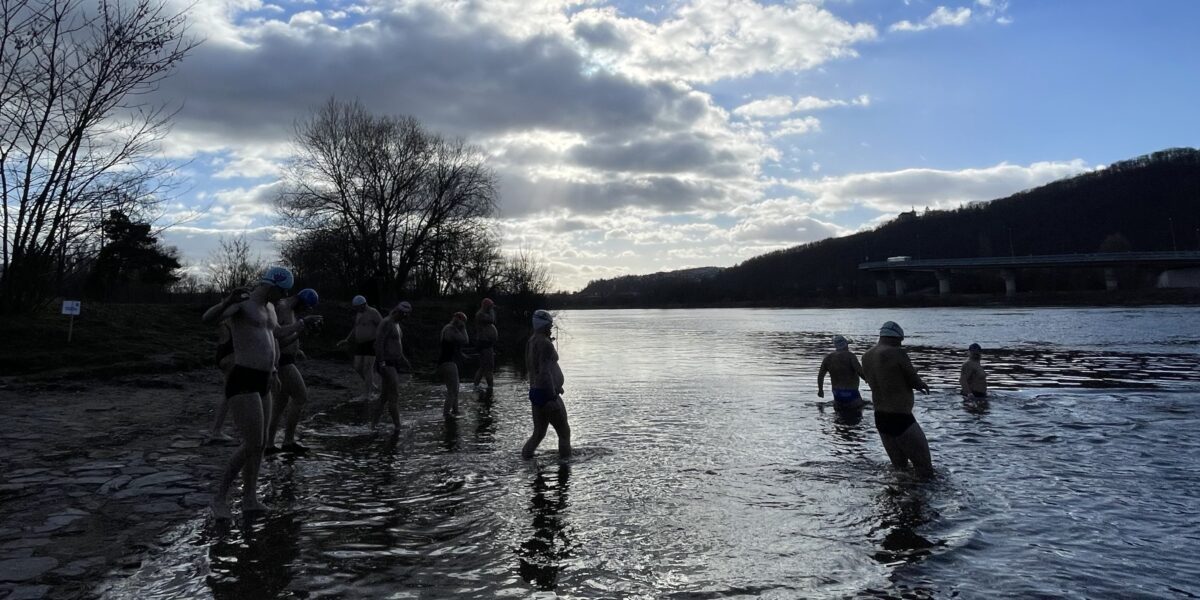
(365, 349)
(893, 424)
(224, 349)
(287, 359)
(244, 380)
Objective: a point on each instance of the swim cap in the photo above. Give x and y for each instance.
(279, 277)
(975, 348)
(404, 307)
(542, 319)
(487, 302)
(891, 329)
(840, 342)
(358, 301)
(459, 316)
(308, 296)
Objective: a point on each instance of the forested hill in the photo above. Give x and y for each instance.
(1130, 205)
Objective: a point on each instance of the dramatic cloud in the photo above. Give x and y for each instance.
(896, 191)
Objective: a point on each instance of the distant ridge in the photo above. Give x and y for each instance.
(1149, 203)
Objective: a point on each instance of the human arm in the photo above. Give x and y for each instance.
(910, 374)
(857, 366)
(300, 326)
(225, 308)
(821, 377)
(381, 333)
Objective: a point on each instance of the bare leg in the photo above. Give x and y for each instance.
(389, 397)
(540, 423)
(914, 445)
(894, 450)
(558, 418)
(372, 379)
(215, 434)
(450, 376)
(297, 392)
(246, 410)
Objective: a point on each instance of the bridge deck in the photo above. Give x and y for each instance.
(1110, 259)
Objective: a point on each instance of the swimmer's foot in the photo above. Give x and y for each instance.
(271, 451)
(252, 505)
(220, 510)
(293, 448)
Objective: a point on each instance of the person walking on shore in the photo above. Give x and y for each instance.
(844, 375)
(545, 388)
(293, 393)
(973, 379)
(486, 336)
(393, 367)
(892, 379)
(253, 326)
(453, 338)
(362, 340)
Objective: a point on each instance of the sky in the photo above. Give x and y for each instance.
(633, 137)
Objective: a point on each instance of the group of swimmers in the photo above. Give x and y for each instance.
(892, 379)
(260, 329)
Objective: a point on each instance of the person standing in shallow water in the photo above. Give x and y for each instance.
(362, 340)
(453, 338)
(485, 339)
(254, 327)
(224, 361)
(973, 379)
(293, 393)
(393, 367)
(892, 379)
(545, 388)
(844, 373)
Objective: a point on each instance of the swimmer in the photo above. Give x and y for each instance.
(892, 378)
(253, 326)
(545, 388)
(362, 339)
(394, 369)
(844, 373)
(293, 394)
(973, 379)
(485, 339)
(224, 360)
(453, 338)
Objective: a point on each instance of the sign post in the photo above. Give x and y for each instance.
(71, 307)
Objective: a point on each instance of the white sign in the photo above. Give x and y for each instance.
(71, 307)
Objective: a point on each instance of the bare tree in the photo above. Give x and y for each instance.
(231, 264)
(393, 186)
(524, 273)
(75, 130)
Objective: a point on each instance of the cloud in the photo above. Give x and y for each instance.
(895, 191)
(798, 126)
(940, 17)
(773, 107)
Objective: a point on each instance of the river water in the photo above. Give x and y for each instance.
(705, 468)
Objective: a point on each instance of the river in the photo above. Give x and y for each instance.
(705, 468)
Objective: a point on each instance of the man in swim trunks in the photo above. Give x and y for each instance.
(293, 393)
(362, 339)
(545, 388)
(485, 339)
(844, 373)
(453, 338)
(253, 325)
(973, 379)
(393, 366)
(892, 378)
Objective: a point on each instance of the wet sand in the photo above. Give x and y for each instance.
(92, 473)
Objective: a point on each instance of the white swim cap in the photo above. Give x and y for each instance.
(358, 301)
(840, 342)
(404, 307)
(891, 329)
(279, 277)
(542, 319)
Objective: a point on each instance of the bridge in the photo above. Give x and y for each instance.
(1006, 266)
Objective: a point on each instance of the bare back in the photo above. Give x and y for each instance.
(389, 340)
(253, 330)
(485, 325)
(366, 325)
(973, 378)
(892, 378)
(843, 369)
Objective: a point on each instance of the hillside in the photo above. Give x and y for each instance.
(1150, 203)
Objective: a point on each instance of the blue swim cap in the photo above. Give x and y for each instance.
(279, 277)
(308, 296)
(358, 301)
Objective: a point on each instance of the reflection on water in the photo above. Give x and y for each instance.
(706, 468)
